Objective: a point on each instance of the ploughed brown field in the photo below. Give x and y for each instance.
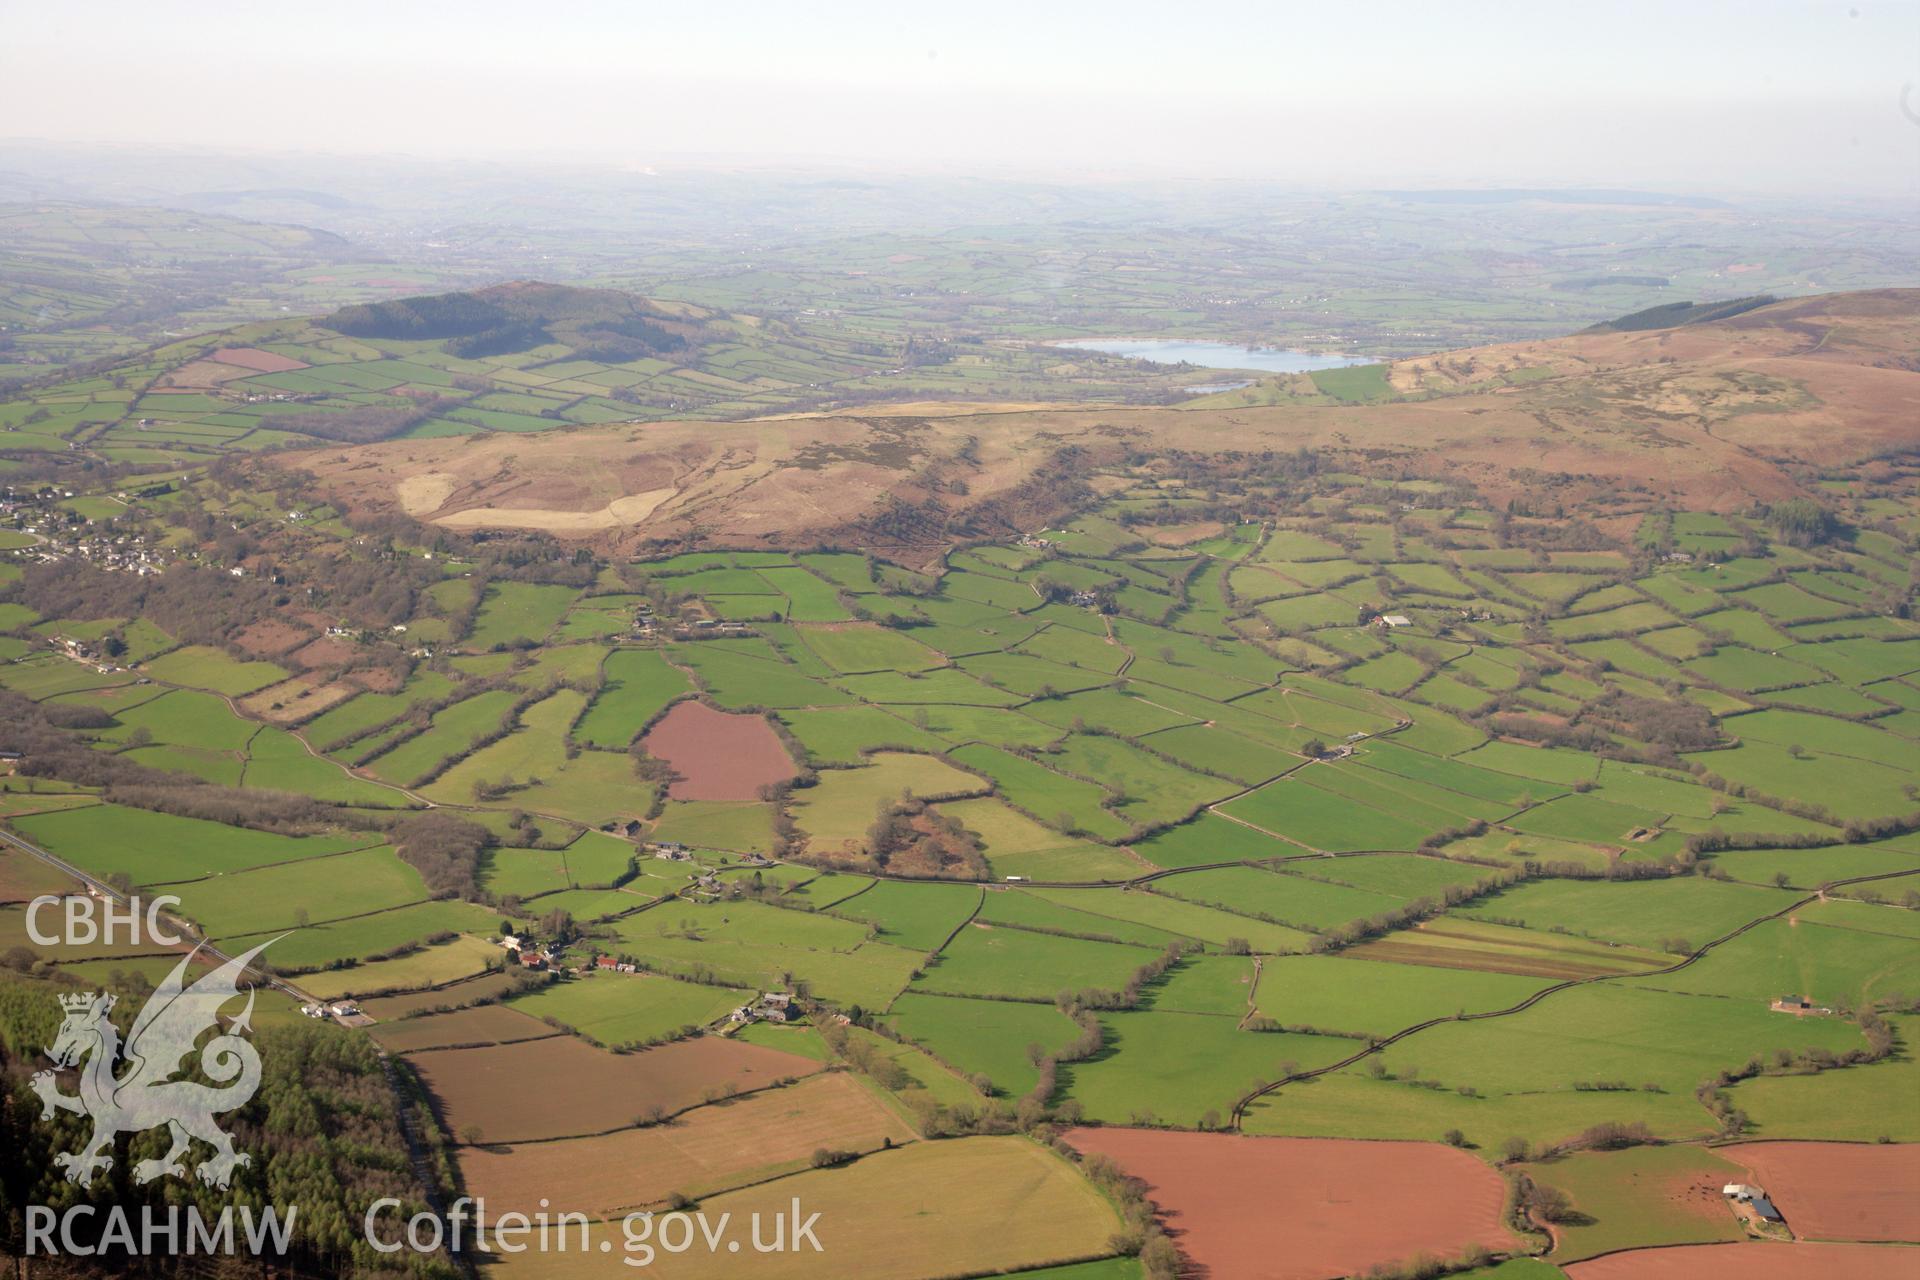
(482, 1024)
(718, 755)
(710, 1149)
(1839, 1190)
(455, 995)
(562, 1087)
(1307, 1208)
(1754, 1261)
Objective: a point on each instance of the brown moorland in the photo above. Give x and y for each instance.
(1709, 417)
(707, 1150)
(1839, 1190)
(1305, 1208)
(1753, 1261)
(718, 755)
(562, 1087)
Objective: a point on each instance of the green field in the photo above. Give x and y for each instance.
(628, 1008)
(639, 684)
(315, 889)
(983, 1037)
(1646, 913)
(1313, 818)
(518, 613)
(1018, 963)
(1065, 803)
(1176, 1067)
(200, 667)
(454, 732)
(1357, 997)
(921, 917)
(160, 849)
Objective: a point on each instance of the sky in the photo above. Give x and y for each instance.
(1753, 96)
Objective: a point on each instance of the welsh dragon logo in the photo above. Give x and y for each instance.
(144, 1095)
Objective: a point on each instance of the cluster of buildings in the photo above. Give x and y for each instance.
(773, 1006)
(85, 654)
(340, 1010)
(63, 535)
(647, 625)
(529, 954)
(706, 628)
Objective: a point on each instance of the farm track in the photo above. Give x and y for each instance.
(1240, 1107)
(417, 1157)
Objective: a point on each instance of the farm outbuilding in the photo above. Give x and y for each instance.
(1754, 1198)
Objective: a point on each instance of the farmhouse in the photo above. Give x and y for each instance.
(774, 1006)
(1754, 1198)
(1395, 620)
(1800, 1006)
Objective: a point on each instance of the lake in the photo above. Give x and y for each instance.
(1212, 355)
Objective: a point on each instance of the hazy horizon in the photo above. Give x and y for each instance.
(1704, 97)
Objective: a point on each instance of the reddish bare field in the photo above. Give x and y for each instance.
(1839, 1190)
(1307, 1208)
(1755, 1261)
(707, 1150)
(718, 756)
(324, 652)
(563, 1087)
(257, 360)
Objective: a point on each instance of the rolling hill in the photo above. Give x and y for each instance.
(1712, 416)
